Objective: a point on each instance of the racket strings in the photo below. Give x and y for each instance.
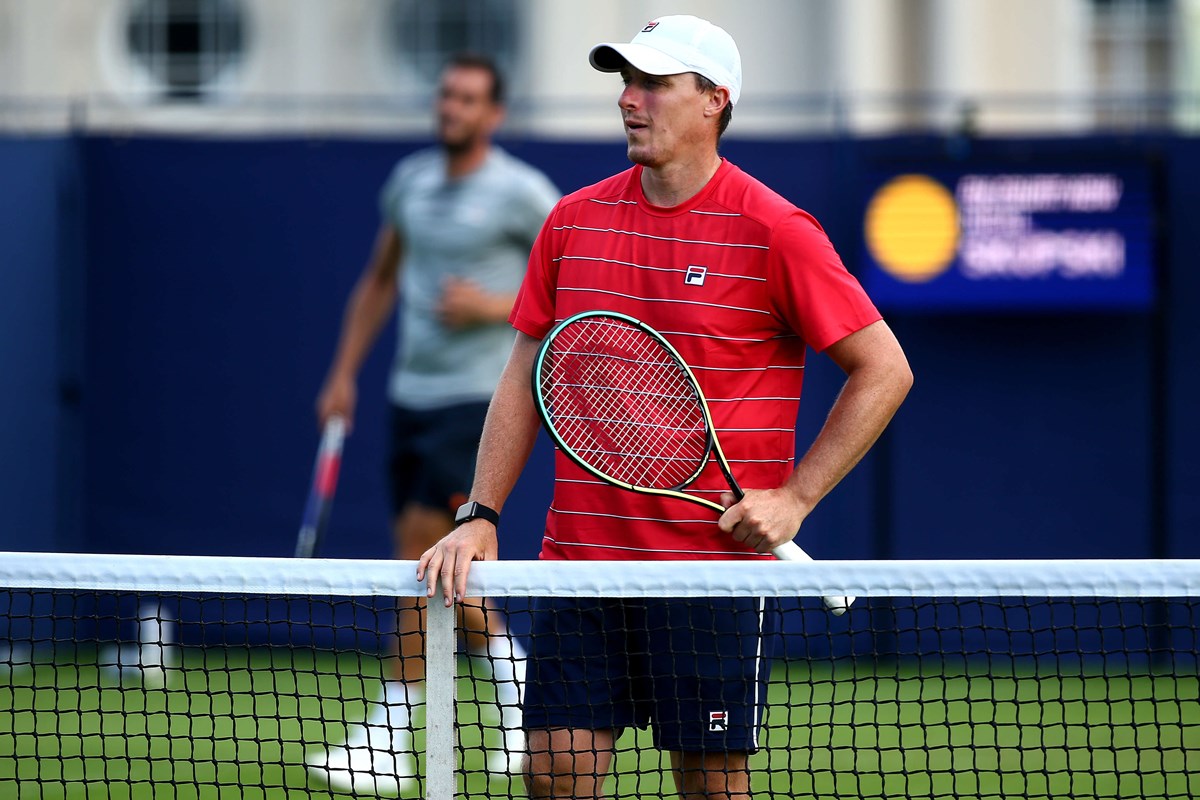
(622, 403)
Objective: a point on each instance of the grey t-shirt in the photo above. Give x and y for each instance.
(482, 227)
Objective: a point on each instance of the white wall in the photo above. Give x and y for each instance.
(1013, 49)
(809, 65)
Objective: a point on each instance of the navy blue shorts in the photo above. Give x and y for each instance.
(432, 459)
(696, 668)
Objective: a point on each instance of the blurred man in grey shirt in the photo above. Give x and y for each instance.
(459, 220)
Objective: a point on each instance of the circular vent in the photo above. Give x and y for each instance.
(187, 46)
(426, 34)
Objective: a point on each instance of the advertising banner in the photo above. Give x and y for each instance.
(1009, 239)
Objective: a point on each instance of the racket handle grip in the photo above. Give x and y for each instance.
(790, 551)
(306, 542)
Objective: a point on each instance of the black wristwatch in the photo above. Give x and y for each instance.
(471, 510)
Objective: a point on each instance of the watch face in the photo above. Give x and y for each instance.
(473, 510)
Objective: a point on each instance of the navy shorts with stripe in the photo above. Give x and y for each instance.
(432, 458)
(695, 668)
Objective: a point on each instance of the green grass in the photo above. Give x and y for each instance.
(236, 724)
(228, 724)
(843, 733)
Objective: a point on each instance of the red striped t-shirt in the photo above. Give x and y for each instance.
(740, 281)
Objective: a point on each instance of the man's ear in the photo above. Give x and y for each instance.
(717, 100)
(497, 117)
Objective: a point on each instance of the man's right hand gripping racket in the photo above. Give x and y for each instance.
(320, 493)
(621, 403)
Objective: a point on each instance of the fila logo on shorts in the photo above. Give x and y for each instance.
(717, 721)
(695, 276)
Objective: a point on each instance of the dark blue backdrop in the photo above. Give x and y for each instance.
(41, 322)
(169, 307)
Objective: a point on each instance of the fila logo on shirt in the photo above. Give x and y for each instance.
(695, 276)
(717, 721)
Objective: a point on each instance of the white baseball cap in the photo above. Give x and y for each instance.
(676, 44)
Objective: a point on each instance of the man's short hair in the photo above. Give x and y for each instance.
(485, 63)
(703, 84)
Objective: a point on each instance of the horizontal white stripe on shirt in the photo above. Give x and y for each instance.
(749, 399)
(667, 300)
(661, 238)
(719, 338)
(655, 550)
(560, 259)
(746, 369)
(691, 489)
(707, 520)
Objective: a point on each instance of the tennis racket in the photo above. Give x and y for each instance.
(320, 493)
(621, 403)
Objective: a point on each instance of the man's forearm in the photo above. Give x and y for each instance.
(863, 409)
(508, 436)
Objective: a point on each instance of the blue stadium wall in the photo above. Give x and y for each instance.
(168, 308)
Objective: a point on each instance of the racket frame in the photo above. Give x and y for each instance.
(788, 551)
(322, 488)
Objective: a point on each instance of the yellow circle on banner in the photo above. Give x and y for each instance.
(912, 228)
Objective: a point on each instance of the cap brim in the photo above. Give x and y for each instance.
(613, 58)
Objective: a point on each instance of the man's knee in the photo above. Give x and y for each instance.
(714, 776)
(561, 774)
(544, 778)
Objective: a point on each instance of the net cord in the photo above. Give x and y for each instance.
(362, 577)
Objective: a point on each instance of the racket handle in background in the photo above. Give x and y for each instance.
(791, 551)
(324, 483)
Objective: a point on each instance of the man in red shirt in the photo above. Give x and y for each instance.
(741, 282)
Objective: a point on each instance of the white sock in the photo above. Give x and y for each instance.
(406, 695)
(389, 719)
(507, 660)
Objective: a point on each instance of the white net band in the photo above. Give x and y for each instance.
(362, 578)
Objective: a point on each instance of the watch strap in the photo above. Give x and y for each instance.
(474, 510)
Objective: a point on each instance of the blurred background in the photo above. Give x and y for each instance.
(188, 190)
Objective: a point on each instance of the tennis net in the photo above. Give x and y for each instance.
(191, 677)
